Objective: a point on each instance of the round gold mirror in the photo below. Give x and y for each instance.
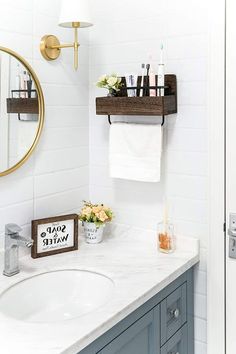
(21, 111)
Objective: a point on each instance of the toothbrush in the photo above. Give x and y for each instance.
(147, 82)
(18, 81)
(29, 85)
(161, 74)
(142, 80)
(152, 79)
(161, 55)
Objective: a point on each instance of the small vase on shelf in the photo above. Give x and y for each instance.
(111, 93)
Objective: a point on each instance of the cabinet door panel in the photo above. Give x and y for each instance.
(140, 338)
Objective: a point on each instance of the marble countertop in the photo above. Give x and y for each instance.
(129, 257)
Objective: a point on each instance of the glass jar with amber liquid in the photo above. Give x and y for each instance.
(165, 237)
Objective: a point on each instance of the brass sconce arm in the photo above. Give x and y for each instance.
(50, 47)
(62, 46)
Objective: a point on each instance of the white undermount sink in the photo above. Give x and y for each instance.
(56, 296)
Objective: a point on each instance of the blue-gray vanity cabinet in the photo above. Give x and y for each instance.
(139, 338)
(178, 344)
(173, 313)
(162, 325)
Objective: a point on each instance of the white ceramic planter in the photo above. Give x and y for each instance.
(93, 233)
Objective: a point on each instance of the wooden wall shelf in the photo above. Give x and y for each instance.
(140, 106)
(22, 105)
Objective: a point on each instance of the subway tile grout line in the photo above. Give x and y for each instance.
(68, 190)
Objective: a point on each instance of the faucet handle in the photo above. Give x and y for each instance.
(12, 229)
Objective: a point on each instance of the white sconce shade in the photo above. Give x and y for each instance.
(75, 11)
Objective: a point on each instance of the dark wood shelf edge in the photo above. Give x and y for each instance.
(22, 105)
(139, 106)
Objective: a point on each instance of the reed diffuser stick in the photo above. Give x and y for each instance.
(165, 218)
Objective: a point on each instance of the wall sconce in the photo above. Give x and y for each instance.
(74, 14)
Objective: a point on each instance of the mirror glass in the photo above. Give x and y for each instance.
(21, 110)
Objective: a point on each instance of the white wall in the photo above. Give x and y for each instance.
(126, 33)
(55, 179)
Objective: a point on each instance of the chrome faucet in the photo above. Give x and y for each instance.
(11, 254)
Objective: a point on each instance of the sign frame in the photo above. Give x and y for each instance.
(51, 227)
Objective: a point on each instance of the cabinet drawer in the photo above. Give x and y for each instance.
(173, 313)
(178, 344)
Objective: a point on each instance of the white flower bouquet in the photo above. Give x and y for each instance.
(110, 82)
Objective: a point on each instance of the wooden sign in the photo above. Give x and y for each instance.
(54, 235)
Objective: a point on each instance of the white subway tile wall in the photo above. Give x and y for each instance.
(125, 35)
(55, 179)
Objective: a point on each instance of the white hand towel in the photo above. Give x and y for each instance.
(135, 151)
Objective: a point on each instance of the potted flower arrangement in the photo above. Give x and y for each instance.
(94, 218)
(111, 82)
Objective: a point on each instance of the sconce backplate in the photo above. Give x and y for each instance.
(47, 47)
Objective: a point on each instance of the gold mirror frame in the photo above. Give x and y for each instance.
(41, 110)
